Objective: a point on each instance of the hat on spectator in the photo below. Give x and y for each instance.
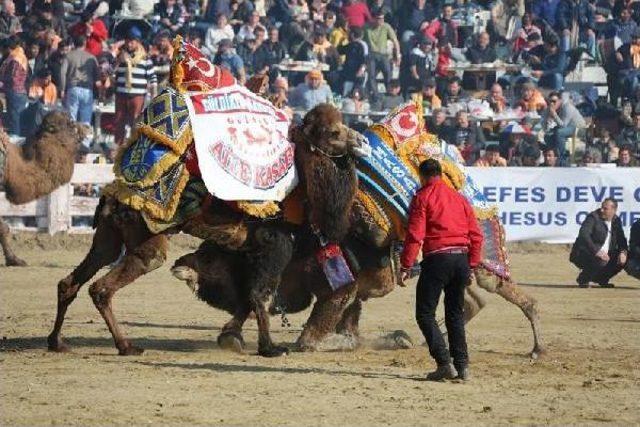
(134, 33)
(424, 39)
(377, 12)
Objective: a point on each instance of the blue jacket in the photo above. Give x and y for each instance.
(546, 9)
(554, 64)
(568, 10)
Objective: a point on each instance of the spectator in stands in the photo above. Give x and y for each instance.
(625, 158)
(630, 136)
(438, 125)
(161, 53)
(467, 136)
(419, 65)
(590, 157)
(443, 29)
(378, 34)
(356, 12)
(42, 88)
(546, 11)
(624, 27)
(560, 120)
(270, 53)
(550, 156)
(524, 35)
(481, 52)
(221, 30)
(93, 29)
(392, 98)
(532, 51)
(513, 147)
(247, 30)
(454, 93)
(13, 82)
(355, 103)
(354, 69)
(170, 14)
(530, 157)
(35, 59)
(550, 74)
(312, 92)
(9, 22)
(532, 100)
(135, 77)
(633, 262)
(628, 63)
(247, 52)
(241, 11)
(413, 20)
(430, 100)
(575, 23)
(503, 15)
(55, 63)
(339, 34)
(278, 96)
(227, 58)
(491, 157)
(496, 99)
(323, 50)
(79, 75)
(600, 250)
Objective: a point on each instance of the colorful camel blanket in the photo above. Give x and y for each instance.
(389, 178)
(242, 145)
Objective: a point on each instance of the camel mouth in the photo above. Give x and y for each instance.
(186, 274)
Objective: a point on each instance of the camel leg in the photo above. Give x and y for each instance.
(509, 291)
(105, 249)
(138, 261)
(326, 313)
(230, 337)
(349, 323)
(473, 302)
(275, 249)
(11, 258)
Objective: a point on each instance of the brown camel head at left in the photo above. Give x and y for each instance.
(325, 156)
(45, 161)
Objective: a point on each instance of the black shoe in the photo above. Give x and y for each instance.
(606, 285)
(443, 372)
(584, 285)
(463, 373)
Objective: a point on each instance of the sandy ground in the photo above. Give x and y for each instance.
(591, 374)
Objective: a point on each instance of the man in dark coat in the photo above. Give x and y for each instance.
(600, 250)
(633, 263)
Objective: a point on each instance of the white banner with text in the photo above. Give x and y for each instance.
(550, 204)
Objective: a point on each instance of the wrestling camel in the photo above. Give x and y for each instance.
(325, 154)
(35, 169)
(371, 248)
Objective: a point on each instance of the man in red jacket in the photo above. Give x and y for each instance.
(443, 223)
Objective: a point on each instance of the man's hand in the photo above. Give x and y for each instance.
(603, 256)
(622, 258)
(404, 275)
(472, 272)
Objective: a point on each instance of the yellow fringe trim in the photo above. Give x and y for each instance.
(259, 209)
(178, 146)
(125, 195)
(486, 213)
(176, 71)
(374, 210)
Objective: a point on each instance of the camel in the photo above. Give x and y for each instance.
(35, 169)
(210, 273)
(325, 157)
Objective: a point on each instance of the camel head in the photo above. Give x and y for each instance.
(60, 126)
(324, 133)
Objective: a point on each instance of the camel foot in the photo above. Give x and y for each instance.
(537, 352)
(231, 340)
(16, 262)
(273, 351)
(400, 339)
(130, 350)
(56, 345)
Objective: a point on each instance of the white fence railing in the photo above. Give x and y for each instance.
(54, 212)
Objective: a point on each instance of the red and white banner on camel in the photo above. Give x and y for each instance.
(242, 146)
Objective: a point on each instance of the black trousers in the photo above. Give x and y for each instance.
(597, 271)
(448, 272)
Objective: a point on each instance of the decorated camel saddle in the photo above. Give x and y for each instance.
(204, 135)
(388, 179)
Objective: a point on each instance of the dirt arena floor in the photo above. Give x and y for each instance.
(591, 374)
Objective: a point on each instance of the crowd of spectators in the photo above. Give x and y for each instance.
(375, 54)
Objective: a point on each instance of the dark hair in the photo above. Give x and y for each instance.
(555, 93)
(455, 79)
(430, 168)
(13, 42)
(492, 148)
(341, 21)
(79, 40)
(43, 73)
(86, 16)
(613, 201)
(547, 149)
(394, 82)
(356, 32)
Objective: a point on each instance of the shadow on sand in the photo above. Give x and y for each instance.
(572, 286)
(178, 345)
